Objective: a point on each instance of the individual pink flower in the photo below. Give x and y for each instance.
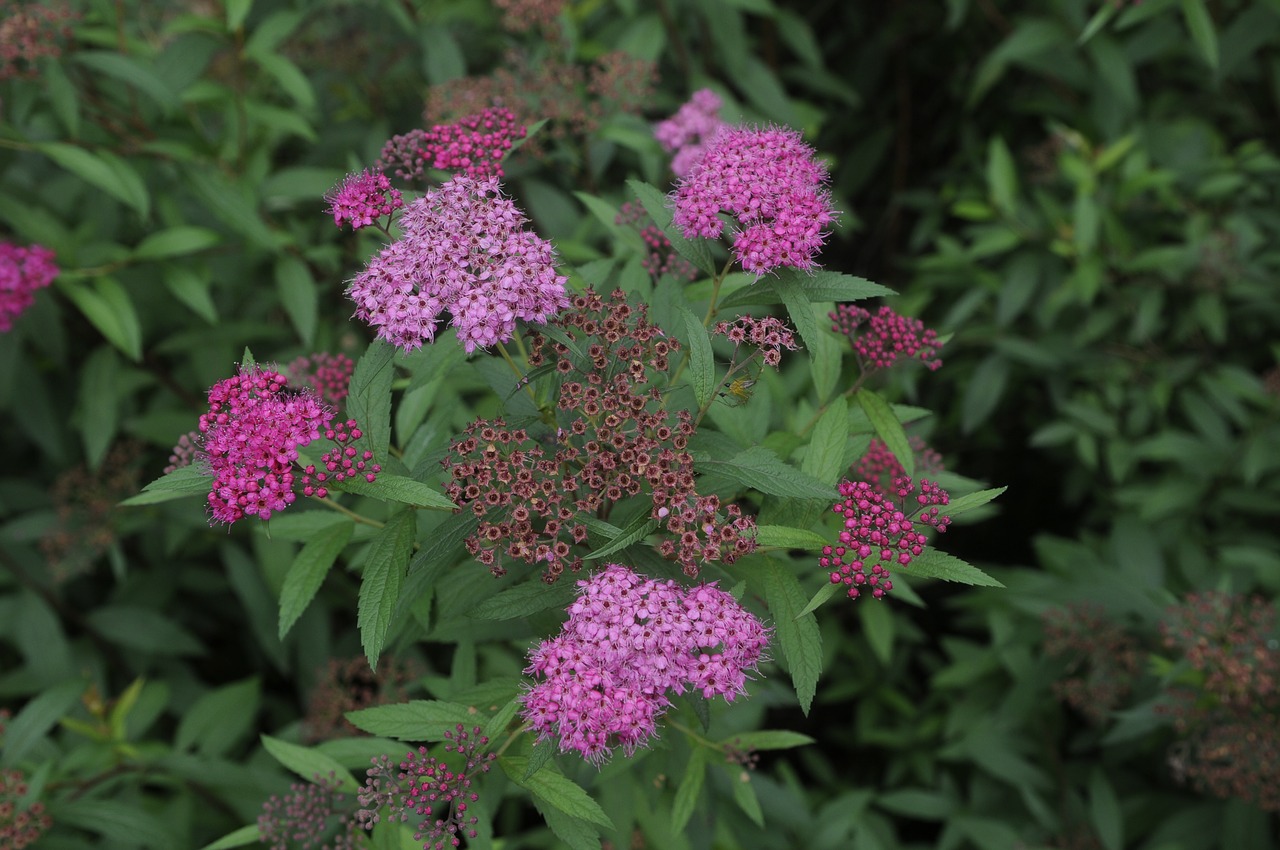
(880, 531)
(362, 198)
(685, 134)
(887, 337)
(603, 682)
(770, 182)
(465, 250)
(22, 272)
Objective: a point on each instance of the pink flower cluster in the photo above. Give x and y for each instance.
(341, 462)
(328, 374)
(474, 145)
(685, 134)
(767, 179)
(464, 250)
(768, 334)
(880, 468)
(887, 338)
(362, 198)
(662, 258)
(878, 531)
(250, 438)
(603, 681)
(22, 272)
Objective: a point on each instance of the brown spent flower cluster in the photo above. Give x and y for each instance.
(615, 441)
(21, 823)
(1229, 724)
(349, 685)
(525, 15)
(29, 32)
(1102, 659)
(84, 503)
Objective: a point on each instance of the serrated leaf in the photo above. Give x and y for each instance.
(523, 600)
(640, 527)
(797, 634)
(702, 364)
(759, 468)
(557, 790)
(690, 789)
(242, 837)
(888, 428)
(369, 401)
(308, 571)
(182, 482)
(824, 595)
(817, 287)
(309, 764)
(384, 570)
(576, 833)
(940, 565)
(768, 739)
(175, 242)
(397, 488)
(824, 458)
(655, 203)
(298, 295)
(543, 751)
(416, 720)
(785, 537)
(794, 299)
(877, 626)
(970, 501)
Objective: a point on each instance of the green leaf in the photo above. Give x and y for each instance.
(1002, 176)
(744, 794)
(986, 386)
(973, 500)
(237, 11)
(798, 634)
(640, 527)
(607, 215)
(36, 718)
(106, 305)
(940, 565)
(231, 204)
(132, 72)
(176, 241)
(384, 570)
(192, 289)
(523, 600)
(242, 837)
(99, 408)
(416, 720)
(287, 75)
(759, 468)
(769, 739)
(655, 203)
(702, 364)
(1099, 20)
(1200, 24)
(62, 96)
(182, 482)
(785, 537)
(143, 629)
(309, 764)
(877, 625)
(888, 428)
(1104, 811)
(824, 458)
(793, 298)
(397, 488)
(298, 295)
(543, 751)
(106, 171)
(555, 789)
(690, 789)
(822, 597)
(308, 570)
(219, 718)
(575, 833)
(369, 402)
(818, 287)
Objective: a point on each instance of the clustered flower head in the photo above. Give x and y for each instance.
(769, 335)
(22, 272)
(769, 181)
(464, 250)
(1230, 736)
(84, 502)
(879, 532)
(1102, 659)
(604, 681)
(328, 374)
(312, 814)
(31, 31)
(880, 468)
(430, 788)
(662, 257)
(250, 438)
(22, 821)
(686, 133)
(526, 15)
(362, 198)
(614, 440)
(887, 338)
(350, 685)
(473, 145)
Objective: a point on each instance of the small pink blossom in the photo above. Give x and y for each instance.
(685, 134)
(473, 145)
(22, 272)
(362, 198)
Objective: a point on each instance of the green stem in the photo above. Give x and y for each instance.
(817, 414)
(511, 739)
(695, 736)
(342, 509)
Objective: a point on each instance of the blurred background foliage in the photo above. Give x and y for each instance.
(1085, 192)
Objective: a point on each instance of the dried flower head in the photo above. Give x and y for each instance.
(22, 272)
(888, 337)
(313, 815)
(1101, 657)
(769, 335)
(22, 820)
(85, 506)
(769, 181)
(465, 250)
(603, 682)
(350, 685)
(31, 31)
(362, 198)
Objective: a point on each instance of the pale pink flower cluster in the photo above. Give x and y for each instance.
(604, 680)
(22, 272)
(685, 134)
(362, 198)
(767, 334)
(767, 179)
(464, 250)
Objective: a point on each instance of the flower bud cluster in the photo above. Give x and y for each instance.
(362, 198)
(603, 682)
(22, 821)
(328, 374)
(880, 468)
(22, 272)
(350, 685)
(1102, 659)
(474, 144)
(770, 182)
(429, 788)
(312, 814)
(465, 250)
(685, 134)
(887, 338)
(878, 532)
(662, 258)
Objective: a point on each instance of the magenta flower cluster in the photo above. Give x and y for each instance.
(878, 532)
(887, 338)
(768, 180)
(362, 198)
(474, 145)
(880, 468)
(685, 134)
(22, 272)
(464, 250)
(603, 682)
